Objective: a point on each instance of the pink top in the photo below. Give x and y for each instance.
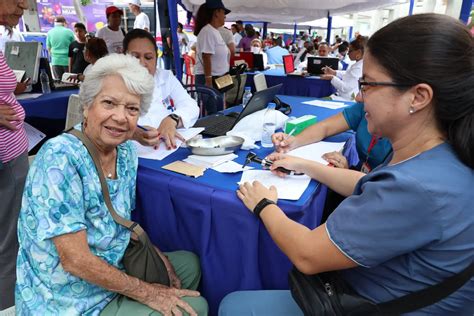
(12, 143)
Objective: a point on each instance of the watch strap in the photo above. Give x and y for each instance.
(261, 205)
(175, 118)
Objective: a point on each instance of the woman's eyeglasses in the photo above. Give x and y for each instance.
(363, 84)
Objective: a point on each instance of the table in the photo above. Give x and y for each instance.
(205, 216)
(48, 113)
(294, 85)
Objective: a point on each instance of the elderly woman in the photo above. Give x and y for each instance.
(212, 53)
(13, 161)
(256, 47)
(71, 249)
(172, 107)
(408, 224)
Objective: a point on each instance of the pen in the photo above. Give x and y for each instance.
(290, 133)
(142, 128)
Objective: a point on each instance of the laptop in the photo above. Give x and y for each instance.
(245, 56)
(53, 84)
(289, 66)
(316, 64)
(258, 63)
(219, 124)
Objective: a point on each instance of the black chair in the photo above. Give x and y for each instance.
(206, 98)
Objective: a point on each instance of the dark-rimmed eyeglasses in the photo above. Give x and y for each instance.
(363, 84)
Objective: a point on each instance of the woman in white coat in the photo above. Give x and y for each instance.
(172, 107)
(346, 82)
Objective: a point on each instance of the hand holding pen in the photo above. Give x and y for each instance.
(329, 71)
(147, 136)
(284, 142)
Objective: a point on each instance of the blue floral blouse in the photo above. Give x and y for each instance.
(63, 195)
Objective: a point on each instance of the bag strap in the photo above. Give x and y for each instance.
(427, 296)
(130, 225)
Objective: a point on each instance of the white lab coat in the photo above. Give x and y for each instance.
(169, 96)
(346, 82)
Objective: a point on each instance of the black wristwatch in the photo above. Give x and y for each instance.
(175, 118)
(261, 205)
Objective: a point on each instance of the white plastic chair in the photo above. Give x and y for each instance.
(74, 111)
(260, 82)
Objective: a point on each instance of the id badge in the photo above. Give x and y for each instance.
(365, 168)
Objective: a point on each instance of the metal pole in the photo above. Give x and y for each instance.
(295, 29)
(173, 12)
(465, 10)
(264, 33)
(328, 37)
(412, 4)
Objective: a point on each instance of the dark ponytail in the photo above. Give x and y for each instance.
(437, 50)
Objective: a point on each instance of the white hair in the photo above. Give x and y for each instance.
(137, 79)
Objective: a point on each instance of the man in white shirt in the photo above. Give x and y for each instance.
(141, 19)
(235, 32)
(112, 33)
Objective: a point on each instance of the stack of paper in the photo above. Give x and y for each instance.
(315, 151)
(327, 104)
(209, 161)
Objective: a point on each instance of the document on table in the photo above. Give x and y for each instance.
(230, 167)
(34, 135)
(162, 152)
(316, 150)
(288, 188)
(25, 96)
(327, 104)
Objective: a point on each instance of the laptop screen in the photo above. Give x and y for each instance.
(288, 64)
(246, 56)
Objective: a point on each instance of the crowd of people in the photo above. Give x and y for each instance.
(400, 220)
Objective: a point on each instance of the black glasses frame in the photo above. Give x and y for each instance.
(362, 83)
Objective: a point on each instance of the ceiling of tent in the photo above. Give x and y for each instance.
(291, 11)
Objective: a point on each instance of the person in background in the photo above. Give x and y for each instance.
(77, 63)
(240, 27)
(167, 49)
(58, 40)
(112, 33)
(13, 163)
(276, 52)
(228, 39)
(94, 49)
(183, 41)
(171, 107)
(244, 44)
(346, 81)
(70, 260)
(212, 53)
(141, 19)
(303, 54)
(408, 224)
(9, 34)
(256, 47)
(236, 34)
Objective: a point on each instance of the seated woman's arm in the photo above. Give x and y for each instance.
(77, 259)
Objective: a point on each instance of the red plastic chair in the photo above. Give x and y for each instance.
(189, 63)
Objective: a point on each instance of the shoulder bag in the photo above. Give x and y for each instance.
(328, 294)
(141, 259)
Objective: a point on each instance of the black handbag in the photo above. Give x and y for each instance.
(328, 294)
(141, 259)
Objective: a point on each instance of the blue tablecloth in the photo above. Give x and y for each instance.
(49, 106)
(204, 215)
(294, 85)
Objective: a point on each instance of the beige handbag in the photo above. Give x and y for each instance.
(223, 83)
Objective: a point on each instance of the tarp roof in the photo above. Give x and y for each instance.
(291, 11)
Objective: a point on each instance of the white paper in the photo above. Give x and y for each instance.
(209, 161)
(25, 96)
(230, 167)
(327, 104)
(288, 188)
(315, 151)
(162, 152)
(34, 135)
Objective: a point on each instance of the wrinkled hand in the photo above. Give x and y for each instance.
(288, 162)
(147, 138)
(7, 116)
(168, 300)
(282, 143)
(336, 159)
(175, 282)
(252, 193)
(326, 77)
(168, 133)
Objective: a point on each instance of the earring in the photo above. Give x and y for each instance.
(412, 110)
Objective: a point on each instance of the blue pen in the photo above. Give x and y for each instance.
(142, 128)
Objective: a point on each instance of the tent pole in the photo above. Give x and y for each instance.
(412, 4)
(349, 36)
(328, 37)
(465, 10)
(294, 32)
(173, 12)
(264, 33)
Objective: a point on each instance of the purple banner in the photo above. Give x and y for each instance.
(93, 14)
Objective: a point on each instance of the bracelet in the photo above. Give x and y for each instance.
(261, 205)
(208, 76)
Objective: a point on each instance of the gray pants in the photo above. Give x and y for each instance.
(12, 181)
(58, 71)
